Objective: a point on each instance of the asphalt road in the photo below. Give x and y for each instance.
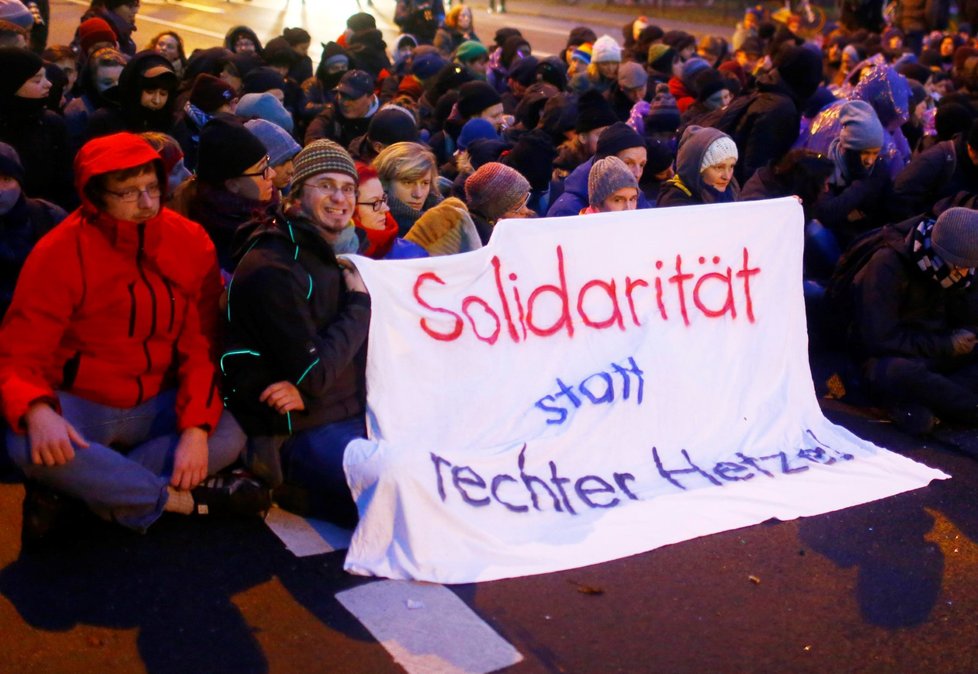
(884, 587)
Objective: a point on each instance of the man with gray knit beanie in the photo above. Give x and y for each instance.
(611, 186)
(496, 192)
(296, 336)
(914, 323)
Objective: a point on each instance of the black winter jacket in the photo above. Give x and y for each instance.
(291, 318)
(898, 310)
(940, 171)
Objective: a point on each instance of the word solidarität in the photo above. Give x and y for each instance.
(515, 310)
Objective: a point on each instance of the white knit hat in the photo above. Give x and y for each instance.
(605, 50)
(720, 149)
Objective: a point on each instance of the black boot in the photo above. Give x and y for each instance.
(43, 511)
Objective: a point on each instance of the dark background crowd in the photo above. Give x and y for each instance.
(869, 120)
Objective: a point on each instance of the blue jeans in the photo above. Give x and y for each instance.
(123, 473)
(313, 459)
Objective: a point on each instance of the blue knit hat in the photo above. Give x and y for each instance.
(280, 145)
(690, 68)
(264, 106)
(476, 129)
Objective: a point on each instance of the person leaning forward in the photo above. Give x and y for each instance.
(298, 321)
(107, 370)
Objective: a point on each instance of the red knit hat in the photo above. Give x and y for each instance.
(209, 93)
(95, 30)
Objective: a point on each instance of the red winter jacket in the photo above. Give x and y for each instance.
(112, 311)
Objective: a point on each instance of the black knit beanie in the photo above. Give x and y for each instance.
(593, 112)
(533, 157)
(617, 137)
(263, 79)
(16, 67)
(226, 151)
(392, 125)
(296, 36)
(476, 96)
(800, 69)
(579, 36)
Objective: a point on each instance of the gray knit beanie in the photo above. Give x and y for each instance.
(955, 237)
(861, 128)
(495, 189)
(322, 156)
(607, 176)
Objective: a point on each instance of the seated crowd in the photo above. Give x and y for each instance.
(180, 335)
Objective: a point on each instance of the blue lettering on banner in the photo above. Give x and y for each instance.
(523, 491)
(598, 389)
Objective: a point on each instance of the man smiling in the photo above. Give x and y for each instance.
(298, 319)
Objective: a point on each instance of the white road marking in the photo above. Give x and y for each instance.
(428, 629)
(304, 537)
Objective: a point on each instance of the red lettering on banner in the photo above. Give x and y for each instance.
(745, 273)
(561, 291)
(693, 294)
(472, 299)
(459, 326)
(609, 288)
(496, 267)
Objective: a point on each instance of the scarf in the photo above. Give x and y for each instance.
(931, 264)
(198, 117)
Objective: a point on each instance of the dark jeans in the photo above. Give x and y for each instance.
(949, 387)
(313, 461)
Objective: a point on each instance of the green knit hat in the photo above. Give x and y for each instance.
(470, 50)
(322, 156)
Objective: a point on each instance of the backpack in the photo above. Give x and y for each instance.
(728, 119)
(838, 291)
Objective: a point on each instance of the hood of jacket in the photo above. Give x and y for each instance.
(112, 153)
(695, 142)
(242, 31)
(131, 85)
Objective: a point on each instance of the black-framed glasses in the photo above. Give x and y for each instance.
(152, 191)
(375, 205)
(264, 172)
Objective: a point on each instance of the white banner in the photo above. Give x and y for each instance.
(588, 388)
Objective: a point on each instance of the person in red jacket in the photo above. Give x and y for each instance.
(107, 368)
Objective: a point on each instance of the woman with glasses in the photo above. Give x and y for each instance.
(234, 181)
(375, 224)
(409, 174)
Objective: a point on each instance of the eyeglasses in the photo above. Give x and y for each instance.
(375, 205)
(152, 191)
(347, 190)
(264, 172)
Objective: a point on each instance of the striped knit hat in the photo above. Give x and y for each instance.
(495, 189)
(321, 156)
(583, 53)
